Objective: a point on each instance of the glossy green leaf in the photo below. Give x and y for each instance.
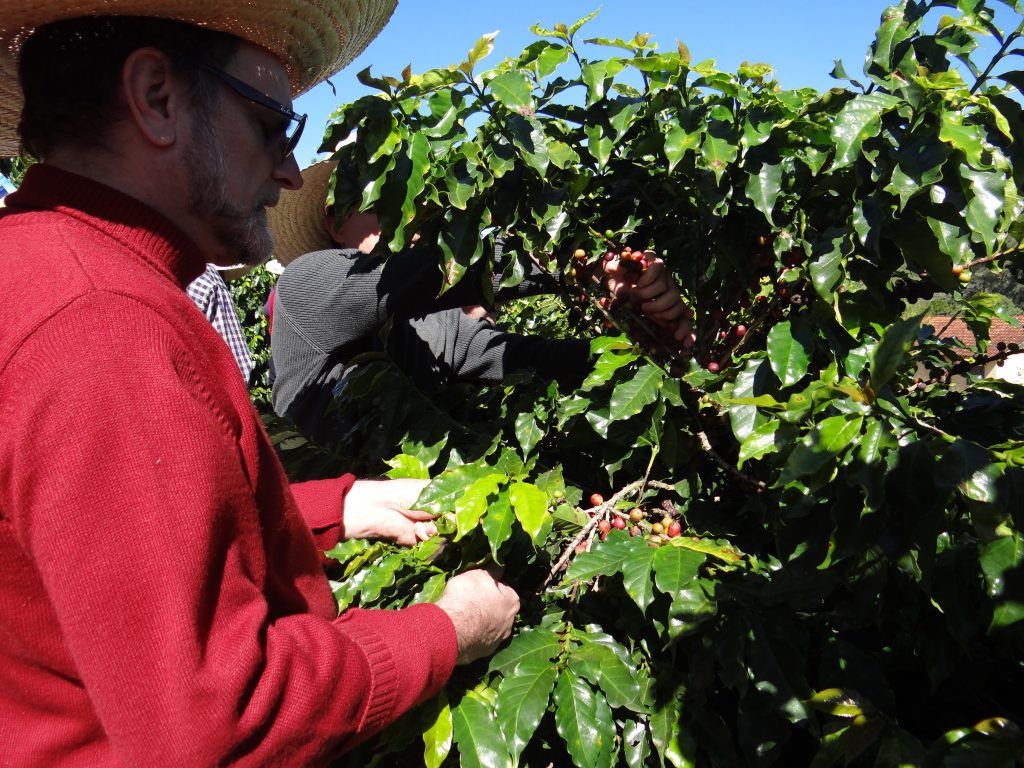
(877, 440)
(763, 189)
(529, 138)
(678, 142)
(522, 700)
(838, 702)
(404, 465)
(718, 154)
(826, 442)
(531, 507)
(1001, 561)
(827, 270)
(470, 507)
(380, 577)
(891, 352)
(759, 443)
(675, 568)
(636, 747)
(599, 144)
(631, 397)
(528, 432)
(666, 732)
(605, 367)
(530, 646)
(584, 721)
(480, 744)
(596, 73)
(512, 89)
(859, 120)
(966, 138)
(987, 203)
(481, 49)
(789, 351)
(497, 523)
(600, 664)
(437, 738)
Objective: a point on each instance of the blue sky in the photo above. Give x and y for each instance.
(799, 38)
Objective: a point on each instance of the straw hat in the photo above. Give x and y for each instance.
(313, 38)
(297, 221)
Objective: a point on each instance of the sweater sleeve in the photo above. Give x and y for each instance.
(185, 606)
(321, 503)
(451, 346)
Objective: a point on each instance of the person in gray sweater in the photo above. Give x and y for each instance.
(331, 303)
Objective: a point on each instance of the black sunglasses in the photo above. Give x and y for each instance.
(296, 122)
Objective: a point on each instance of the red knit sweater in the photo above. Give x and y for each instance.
(161, 596)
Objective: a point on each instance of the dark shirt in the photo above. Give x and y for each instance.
(331, 305)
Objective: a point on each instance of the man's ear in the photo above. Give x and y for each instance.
(333, 229)
(153, 95)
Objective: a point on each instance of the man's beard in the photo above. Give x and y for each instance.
(243, 234)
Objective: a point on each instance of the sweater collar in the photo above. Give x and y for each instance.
(127, 220)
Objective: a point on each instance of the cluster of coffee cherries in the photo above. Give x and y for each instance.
(657, 525)
(657, 337)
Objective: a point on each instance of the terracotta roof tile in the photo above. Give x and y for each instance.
(1000, 330)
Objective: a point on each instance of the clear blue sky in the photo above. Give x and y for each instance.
(800, 38)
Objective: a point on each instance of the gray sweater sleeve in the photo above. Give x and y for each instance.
(450, 346)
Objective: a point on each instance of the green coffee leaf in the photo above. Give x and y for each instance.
(480, 744)
(528, 432)
(470, 507)
(512, 89)
(764, 188)
(859, 120)
(522, 700)
(437, 738)
(889, 355)
(529, 646)
(584, 721)
(531, 508)
(631, 397)
(675, 568)
(789, 351)
(497, 523)
(759, 443)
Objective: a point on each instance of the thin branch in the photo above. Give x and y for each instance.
(599, 512)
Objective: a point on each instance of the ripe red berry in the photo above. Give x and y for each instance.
(604, 526)
(714, 367)
(740, 331)
(596, 499)
(618, 523)
(674, 529)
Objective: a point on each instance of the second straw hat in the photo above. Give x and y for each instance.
(297, 221)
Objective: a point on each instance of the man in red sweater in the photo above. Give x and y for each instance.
(162, 601)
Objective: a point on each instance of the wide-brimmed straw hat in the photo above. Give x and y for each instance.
(313, 38)
(297, 221)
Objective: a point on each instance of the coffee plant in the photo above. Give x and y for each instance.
(792, 541)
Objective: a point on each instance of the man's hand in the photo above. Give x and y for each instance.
(381, 509)
(653, 291)
(482, 610)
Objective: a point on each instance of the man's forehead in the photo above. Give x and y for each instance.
(262, 70)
